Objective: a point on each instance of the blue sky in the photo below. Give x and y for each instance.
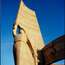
(50, 15)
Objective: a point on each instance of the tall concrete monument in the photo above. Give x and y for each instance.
(27, 37)
(29, 48)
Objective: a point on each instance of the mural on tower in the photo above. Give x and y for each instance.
(28, 38)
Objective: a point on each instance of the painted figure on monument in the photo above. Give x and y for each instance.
(27, 37)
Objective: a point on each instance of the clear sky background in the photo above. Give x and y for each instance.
(50, 15)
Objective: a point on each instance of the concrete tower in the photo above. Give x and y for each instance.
(28, 40)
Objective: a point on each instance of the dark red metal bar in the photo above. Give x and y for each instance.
(52, 52)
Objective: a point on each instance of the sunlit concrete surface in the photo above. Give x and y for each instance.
(29, 40)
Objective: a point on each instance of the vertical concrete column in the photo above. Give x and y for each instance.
(28, 40)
